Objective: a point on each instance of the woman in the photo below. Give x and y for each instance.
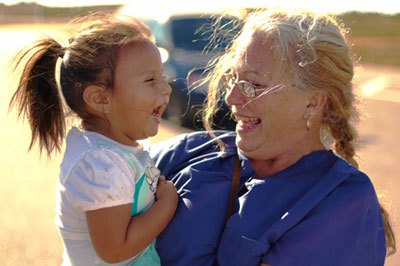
(287, 79)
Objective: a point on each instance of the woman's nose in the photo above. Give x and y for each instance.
(234, 97)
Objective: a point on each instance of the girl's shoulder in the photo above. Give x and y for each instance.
(95, 173)
(99, 152)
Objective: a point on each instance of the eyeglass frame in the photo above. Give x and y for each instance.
(242, 83)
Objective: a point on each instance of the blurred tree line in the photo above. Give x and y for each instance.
(36, 10)
(375, 36)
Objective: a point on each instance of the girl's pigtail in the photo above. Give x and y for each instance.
(37, 97)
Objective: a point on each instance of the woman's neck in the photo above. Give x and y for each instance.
(272, 166)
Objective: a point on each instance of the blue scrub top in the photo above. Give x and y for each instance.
(319, 211)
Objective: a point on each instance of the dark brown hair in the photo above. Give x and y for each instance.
(90, 58)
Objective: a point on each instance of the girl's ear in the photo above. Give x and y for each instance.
(96, 99)
(315, 104)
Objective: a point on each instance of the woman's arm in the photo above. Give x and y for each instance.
(117, 236)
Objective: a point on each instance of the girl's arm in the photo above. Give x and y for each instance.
(116, 236)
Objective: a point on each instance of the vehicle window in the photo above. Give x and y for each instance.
(156, 28)
(194, 33)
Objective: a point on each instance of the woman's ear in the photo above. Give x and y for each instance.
(96, 99)
(315, 104)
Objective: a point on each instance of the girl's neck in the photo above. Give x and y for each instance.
(89, 126)
(108, 133)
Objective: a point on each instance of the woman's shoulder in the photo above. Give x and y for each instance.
(342, 188)
(354, 190)
(357, 180)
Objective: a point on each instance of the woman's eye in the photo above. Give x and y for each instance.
(255, 84)
(150, 80)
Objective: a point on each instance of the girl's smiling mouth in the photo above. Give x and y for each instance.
(156, 114)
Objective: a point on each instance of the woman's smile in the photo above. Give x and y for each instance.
(246, 124)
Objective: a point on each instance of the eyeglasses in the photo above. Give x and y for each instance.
(246, 88)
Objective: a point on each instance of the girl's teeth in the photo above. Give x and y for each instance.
(157, 117)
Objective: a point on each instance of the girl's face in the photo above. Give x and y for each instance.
(271, 124)
(140, 94)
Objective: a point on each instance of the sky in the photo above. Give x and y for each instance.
(337, 6)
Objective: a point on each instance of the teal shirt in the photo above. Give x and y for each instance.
(97, 172)
(145, 189)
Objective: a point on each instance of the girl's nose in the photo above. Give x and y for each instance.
(166, 88)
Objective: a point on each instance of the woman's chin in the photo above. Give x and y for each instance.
(244, 145)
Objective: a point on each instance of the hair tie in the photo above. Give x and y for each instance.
(62, 52)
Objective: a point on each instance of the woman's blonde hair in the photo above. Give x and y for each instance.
(313, 49)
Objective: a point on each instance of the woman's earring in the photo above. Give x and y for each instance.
(308, 122)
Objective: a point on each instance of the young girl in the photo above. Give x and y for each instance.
(111, 202)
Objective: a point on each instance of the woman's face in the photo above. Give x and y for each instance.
(271, 124)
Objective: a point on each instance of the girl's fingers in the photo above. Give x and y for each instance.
(161, 179)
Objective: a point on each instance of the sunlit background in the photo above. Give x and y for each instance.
(385, 6)
(28, 235)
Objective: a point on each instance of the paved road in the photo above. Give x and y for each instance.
(28, 234)
(380, 130)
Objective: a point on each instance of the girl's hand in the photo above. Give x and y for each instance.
(116, 236)
(166, 191)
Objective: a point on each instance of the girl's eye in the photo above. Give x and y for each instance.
(150, 80)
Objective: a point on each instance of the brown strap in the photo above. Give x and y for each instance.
(235, 187)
